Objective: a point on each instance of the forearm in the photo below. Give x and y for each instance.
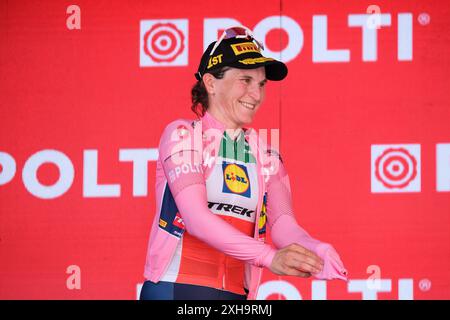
(285, 230)
(203, 224)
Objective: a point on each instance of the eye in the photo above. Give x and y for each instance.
(246, 80)
(262, 84)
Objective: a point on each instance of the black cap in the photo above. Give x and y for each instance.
(241, 53)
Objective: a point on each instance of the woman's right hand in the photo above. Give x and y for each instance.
(295, 260)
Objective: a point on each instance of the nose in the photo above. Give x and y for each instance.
(256, 92)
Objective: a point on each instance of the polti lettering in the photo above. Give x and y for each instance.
(405, 288)
(66, 168)
(184, 169)
(443, 167)
(319, 289)
(214, 60)
(140, 159)
(321, 52)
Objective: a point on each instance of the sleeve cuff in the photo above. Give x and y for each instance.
(267, 257)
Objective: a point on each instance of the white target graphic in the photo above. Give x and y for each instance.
(163, 42)
(395, 168)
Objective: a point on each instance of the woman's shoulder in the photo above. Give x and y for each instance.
(180, 126)
(189, 123)
(178, 130)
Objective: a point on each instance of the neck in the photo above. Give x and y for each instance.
(233, 130)
(233, 133)
(219, 114)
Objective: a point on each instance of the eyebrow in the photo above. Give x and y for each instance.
(250, 77)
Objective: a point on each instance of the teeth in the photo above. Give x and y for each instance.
(248, 105)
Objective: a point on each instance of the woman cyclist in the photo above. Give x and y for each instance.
(219, 187)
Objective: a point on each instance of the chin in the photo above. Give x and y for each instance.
(247, 120)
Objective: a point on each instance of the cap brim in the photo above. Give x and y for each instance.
(275, 70)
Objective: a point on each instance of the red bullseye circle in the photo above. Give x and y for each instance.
(156, 46)
(402, 174)
(164, 42)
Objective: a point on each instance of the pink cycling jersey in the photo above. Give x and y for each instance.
(214, 196)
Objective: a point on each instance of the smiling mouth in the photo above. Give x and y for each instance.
(248, 105)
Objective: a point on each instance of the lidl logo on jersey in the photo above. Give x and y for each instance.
(395, 168)
(235, 179)
(163, 43)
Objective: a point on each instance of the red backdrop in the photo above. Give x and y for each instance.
(364, 132)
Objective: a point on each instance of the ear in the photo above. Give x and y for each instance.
(209, 80)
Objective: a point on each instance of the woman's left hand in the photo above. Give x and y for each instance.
(333, 267)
